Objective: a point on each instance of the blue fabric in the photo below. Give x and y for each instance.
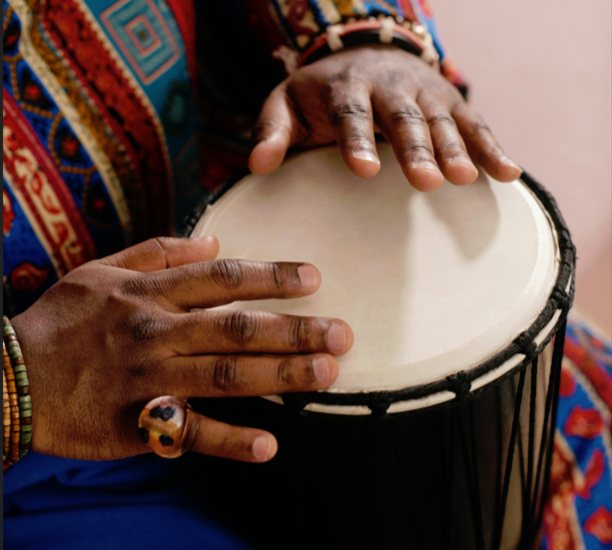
(144, 502)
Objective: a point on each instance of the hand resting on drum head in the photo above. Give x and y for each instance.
(348, 96)
(118, 332)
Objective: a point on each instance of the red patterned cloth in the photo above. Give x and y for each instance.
(578, 514)
(101, 150)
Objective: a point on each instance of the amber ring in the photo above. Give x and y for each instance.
(162, 423)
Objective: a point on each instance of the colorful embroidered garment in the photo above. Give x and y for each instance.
(103, 146)
(98, 122)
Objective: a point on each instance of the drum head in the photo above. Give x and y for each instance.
(431, 283)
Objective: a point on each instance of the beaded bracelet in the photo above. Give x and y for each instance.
(6, 419)
(22, 393)
(13, 451)
(409, 36)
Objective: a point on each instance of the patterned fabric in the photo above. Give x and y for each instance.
(102, 148)
(296, 24)
(98, 122)
(578, 515)
(266, 38)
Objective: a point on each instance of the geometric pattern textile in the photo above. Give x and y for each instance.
(103, 147)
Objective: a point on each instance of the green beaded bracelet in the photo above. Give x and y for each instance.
(22, 383)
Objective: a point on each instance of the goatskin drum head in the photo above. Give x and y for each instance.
(431, 283)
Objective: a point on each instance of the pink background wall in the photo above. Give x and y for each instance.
(540, 72)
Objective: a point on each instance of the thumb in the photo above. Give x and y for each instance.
(273, 133)
(165, 252)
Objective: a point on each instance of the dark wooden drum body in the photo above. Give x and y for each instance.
(438, 432)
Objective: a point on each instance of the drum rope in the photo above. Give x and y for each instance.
(460, 385)
(521, 453)
(500, 452)
(527, 506)
(499, 523)
(523, 475)
(469, 457)
(554, 389)
(533, 493)
(545, 438)
(476, 483)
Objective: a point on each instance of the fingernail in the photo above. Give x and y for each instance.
(461, 160)
(261, 448)
(204, 238)
(427, 165)
(320, 366)
(427, 178)
(336, 338)
(366, 155)
(510, 162)
(309, 277)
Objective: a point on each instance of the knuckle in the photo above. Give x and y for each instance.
(418, 151)
(148, 287)
(139, 327)
(285, 373)
(293, 99)
(483, 155)
(227, 274)
(191, 434)
(138, 287)
(442, 119)
(142, 370)
(344, 112)
(299, 333)
(393, 78)
(226, 446)
(479, 127)
(407, 115)
(486, 156)
(226, 374)
(163, 244)
(451, 146)
(342, 76)
(240, 327)
(262, 129)
(277, 276)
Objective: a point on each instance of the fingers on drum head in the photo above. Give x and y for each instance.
(211, 284)
(244, 331)
(244, 375)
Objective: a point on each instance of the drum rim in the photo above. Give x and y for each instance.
(560, 300)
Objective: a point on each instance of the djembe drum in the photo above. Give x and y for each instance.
(438, 432)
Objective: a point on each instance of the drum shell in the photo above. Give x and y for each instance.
(429, 479)
(425, 479)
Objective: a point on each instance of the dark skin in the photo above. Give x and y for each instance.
(347, 97)
(118, 332)
(115, 333)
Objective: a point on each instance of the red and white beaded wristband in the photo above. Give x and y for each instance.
(409, 36)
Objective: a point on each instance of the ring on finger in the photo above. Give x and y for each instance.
(162, 425)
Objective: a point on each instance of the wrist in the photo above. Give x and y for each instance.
(411, 37)
(16, 398)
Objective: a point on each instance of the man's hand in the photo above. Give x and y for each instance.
(347, 97)
(118, 332)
